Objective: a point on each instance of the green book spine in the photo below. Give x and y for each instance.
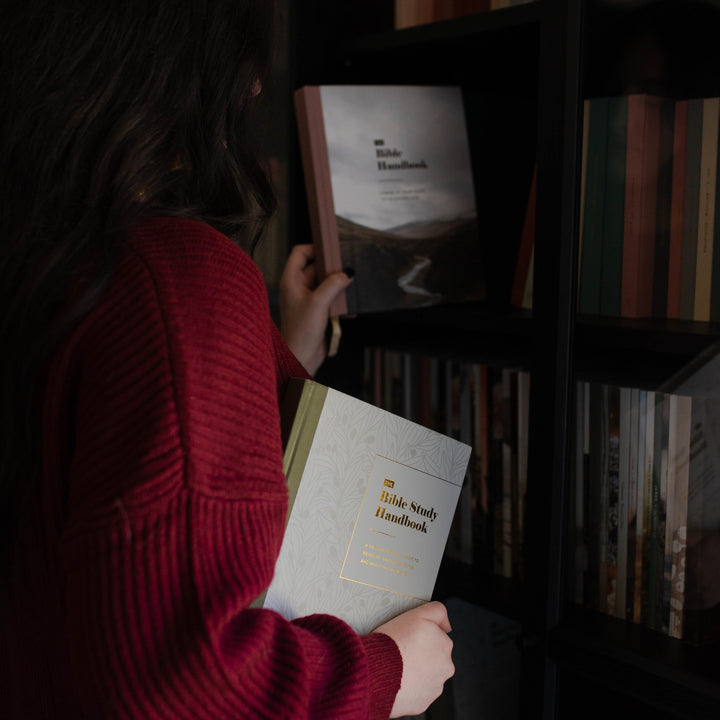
(594, 212)
(614, 211)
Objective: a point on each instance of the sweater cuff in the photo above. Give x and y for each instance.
(385, 667)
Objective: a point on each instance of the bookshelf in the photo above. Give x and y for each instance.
(525, 72)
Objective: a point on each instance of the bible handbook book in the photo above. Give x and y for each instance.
(372, 499)
(390, 194)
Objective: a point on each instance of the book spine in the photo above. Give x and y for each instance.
(523, 431)
(648, 495)
(496, 469)
(637, 615)
(632, 506)
(692, 201)
(525, 251)
(659, 498)
(583, 186)
(706, 208)
(680, 516)
(715, 272)
(612, 499)
(614, 211)
(623, 486)
(640, 204)
(677, 211)
(465, 503)
(664, 209)
(594, 496)
(672, 402)
(318, 183)
(508, 474)
(594, 213)
(578, 486)
(482, 545)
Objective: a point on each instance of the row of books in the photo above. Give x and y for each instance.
(485, 407)
(643, 481)
(649, 215)
(409, 13)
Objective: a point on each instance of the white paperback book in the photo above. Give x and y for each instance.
(372, 499)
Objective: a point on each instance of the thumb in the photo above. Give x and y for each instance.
(333, 284)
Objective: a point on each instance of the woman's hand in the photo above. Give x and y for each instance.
(305, 306)
(421, 634)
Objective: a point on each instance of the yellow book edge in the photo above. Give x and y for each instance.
(300, 412)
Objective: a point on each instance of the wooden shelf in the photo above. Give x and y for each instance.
(662, 672)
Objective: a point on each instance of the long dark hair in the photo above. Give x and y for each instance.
(111, 111)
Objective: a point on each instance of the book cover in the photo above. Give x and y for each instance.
(641, 171)
(391, 194)
(372, 498)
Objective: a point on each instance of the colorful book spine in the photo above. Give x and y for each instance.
(679, 506)
(632, 506)
(623, 486)
(706, 208)
(692, 202)
(640, 204)
(664, 208)
(637, 614)
(677, 209)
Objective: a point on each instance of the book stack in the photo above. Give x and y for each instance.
(649, 215)
(409, 13)
(645, 481)
(486, 408)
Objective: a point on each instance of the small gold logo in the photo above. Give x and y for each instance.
(389, 483)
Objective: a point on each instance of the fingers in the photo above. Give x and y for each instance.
(329, 288)
(426, 650)
(300, 255)
(435, 612)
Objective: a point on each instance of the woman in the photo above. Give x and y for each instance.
(143, 502)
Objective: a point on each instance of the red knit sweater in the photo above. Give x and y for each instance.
(162, 510)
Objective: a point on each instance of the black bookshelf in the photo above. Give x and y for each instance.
(524, 72)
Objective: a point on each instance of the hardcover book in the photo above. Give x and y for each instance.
(372, 500)
(391, 194)
(641, 176)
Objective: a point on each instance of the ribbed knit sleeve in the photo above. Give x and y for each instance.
(176, 504)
